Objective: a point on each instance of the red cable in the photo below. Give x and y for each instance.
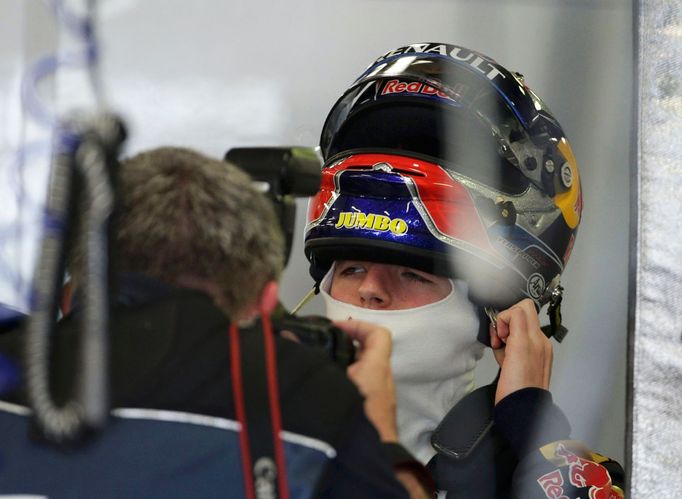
(237, 389)
(275, 412)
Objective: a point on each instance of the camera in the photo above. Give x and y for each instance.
(318, 332)
(284, 173)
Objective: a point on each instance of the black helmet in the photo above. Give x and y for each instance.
(467, 163)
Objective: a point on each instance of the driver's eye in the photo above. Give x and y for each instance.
(351, 270)
(413, 276)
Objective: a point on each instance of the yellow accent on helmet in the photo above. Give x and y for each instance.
(569, 201)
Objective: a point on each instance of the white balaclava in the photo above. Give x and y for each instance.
(434, 355)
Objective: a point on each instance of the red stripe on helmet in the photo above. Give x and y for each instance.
(446, 202)
(451, 208)
(319, 203)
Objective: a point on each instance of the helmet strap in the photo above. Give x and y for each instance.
(555, 328)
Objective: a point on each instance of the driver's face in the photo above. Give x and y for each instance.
(382, 286)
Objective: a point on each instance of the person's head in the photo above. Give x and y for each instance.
(197, 222)
(439, 159)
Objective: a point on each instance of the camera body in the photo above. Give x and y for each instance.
(318, 332)
(283, 174)
(288, 173)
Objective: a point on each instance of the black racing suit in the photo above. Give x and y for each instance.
(519, 449)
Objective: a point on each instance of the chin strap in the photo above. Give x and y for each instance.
(555, 328)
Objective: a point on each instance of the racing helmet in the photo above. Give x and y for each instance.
(439, 158)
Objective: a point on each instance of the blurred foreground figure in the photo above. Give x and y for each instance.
(197, 247)
(447, 212)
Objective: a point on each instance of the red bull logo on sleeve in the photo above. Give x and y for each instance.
(582, 473)
(371, 221)
(552, 483)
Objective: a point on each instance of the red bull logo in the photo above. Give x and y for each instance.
(552, 483)
(414, 87)
(582, 473)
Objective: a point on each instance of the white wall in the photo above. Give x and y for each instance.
(216, 74)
